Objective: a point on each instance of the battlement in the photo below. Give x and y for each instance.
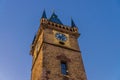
(59, 26)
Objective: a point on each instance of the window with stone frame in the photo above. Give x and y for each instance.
(64, 69)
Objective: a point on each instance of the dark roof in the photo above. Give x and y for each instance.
(55, 19)
(72, 23)
(44, 15)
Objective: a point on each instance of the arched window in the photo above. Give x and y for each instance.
(64, 69)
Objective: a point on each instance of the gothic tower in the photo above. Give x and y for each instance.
(55, 51)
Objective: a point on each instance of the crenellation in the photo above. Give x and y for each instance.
(59, 26)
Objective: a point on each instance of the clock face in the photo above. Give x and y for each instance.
(61, 37)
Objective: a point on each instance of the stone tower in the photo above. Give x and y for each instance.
(55, 51)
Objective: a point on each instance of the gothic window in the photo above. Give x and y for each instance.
(64, 68)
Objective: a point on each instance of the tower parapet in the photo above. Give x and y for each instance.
(63, 28)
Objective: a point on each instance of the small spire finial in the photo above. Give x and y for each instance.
(72, 23)
(53, 10)
(44, 14)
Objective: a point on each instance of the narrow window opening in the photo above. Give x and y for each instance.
(64, 70)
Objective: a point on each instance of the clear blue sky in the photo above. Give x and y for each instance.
(98, 22)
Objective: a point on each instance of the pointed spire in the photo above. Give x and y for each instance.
(54, 18)
(72, 23)
(44, 14)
